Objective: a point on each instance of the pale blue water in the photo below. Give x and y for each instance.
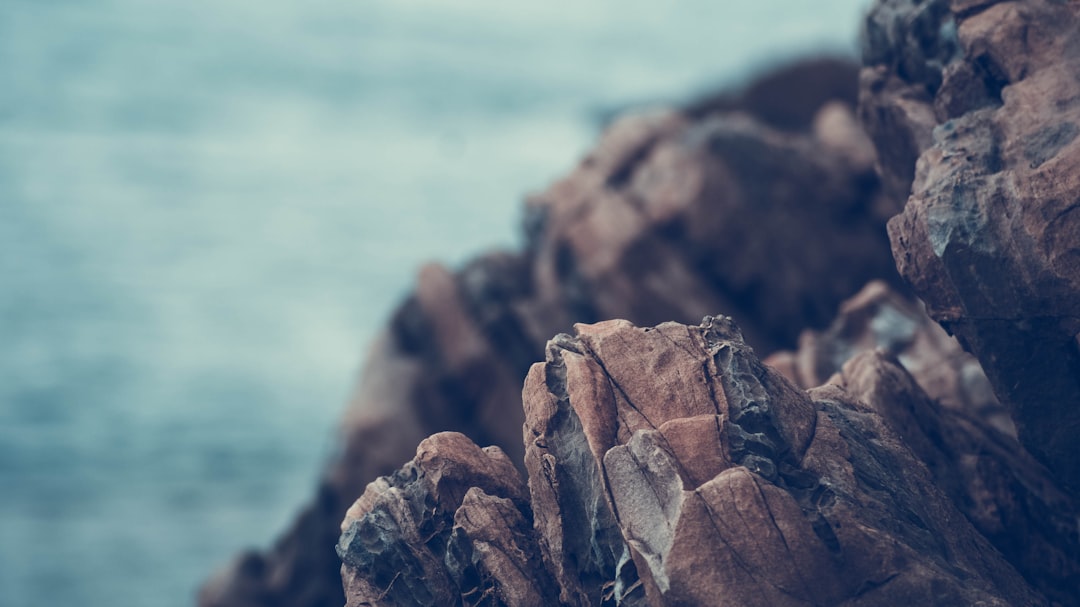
(208, 207)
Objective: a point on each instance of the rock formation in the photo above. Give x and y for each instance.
(453, 526)
(879, 462)
(976, 105)
(668, 466)
(879, 318)
(885, 351)
(663, 220)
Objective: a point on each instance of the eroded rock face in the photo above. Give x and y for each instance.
(884, 350)
(727, 481)
(984, 94)
(668, 466)
(879, 318)
(1009, 497)
(451, 527)
(672, 216)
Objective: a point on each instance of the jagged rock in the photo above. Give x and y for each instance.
(668, 466)
(452, 527)
(984, 94)
(1008, 496)
(888, 353)
(882, 319)
(672, 216)
(727, 481)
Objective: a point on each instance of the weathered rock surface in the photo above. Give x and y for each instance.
(727, 481)
(885, 351)
(672, 216)
(1008, 496)
(668, 466)
(879, 318)
(985, 95)
(451, 527)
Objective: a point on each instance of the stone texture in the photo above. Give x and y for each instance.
(879, 318)
(885, 351)
(1009, 497)
(673, 215)
(667, 219)
(451, 527)
(725, 480)
(985, 96)
(668, 466)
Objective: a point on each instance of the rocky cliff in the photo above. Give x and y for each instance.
(900, 447)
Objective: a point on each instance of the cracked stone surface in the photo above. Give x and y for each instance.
(725, 480)
(878, 318)
(727, 206)
(668, 466)
(974, 107)
(884, 349)
(451, 527)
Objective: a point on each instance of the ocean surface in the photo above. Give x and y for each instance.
(209, 207)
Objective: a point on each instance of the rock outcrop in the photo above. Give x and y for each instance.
(451, 527)
(881, 319)
(975, 109)
(888, 353)
(674, 215)
(668, 466)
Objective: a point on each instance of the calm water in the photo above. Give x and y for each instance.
(208, 207)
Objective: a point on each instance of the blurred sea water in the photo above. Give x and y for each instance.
(208, 208)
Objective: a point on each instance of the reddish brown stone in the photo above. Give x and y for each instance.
(990, 238)
(787, 498)
(880, 319)
(667, 466)
(451, 527)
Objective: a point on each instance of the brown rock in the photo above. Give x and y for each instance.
(788, 97)
(886, 352)
(1007, 495)
(451, 527)
(665, 219)
(671, 227)
(669, 467)
(990, 238)
(724, 480)
(880, 319)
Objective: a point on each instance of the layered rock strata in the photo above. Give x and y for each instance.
(975, 109)
(673, 215)
(668, 466)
